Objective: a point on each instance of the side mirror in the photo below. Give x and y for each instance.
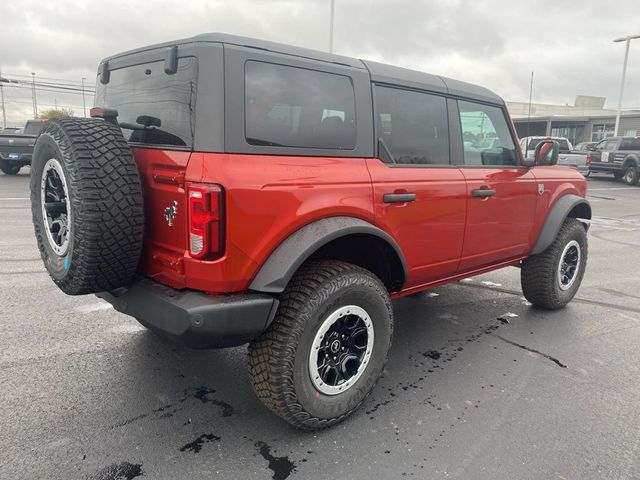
(529, 162)
(546, 153)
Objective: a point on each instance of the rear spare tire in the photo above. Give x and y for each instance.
(87, 205)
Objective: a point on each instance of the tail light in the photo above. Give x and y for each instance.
(588, 162)
(206, 221)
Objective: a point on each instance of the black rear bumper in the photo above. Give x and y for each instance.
(192, 318)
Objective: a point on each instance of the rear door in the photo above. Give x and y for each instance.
(419, 197)
(501, 193)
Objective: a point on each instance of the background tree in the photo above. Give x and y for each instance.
(56, 113)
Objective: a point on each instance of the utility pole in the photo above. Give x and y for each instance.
(530, 96)
(84, 104)
(33, 94)
(626, 39)
(4, 113)
(333, 2)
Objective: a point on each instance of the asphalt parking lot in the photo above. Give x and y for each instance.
(479, 385)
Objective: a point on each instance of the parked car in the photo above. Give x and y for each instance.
(619, 156)
(289, 201)
(567, 155)
(16, 148)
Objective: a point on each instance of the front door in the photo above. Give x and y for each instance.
(420, 198)
(501, 193)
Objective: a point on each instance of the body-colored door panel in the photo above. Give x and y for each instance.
(429, 229)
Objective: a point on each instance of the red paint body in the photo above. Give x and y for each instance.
(445, 234)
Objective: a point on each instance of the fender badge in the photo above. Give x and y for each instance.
(541, 188)
(170, 213)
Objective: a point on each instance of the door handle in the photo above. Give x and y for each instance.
(483, 192)
(398, 197)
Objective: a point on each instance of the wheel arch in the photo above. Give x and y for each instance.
(567, 206)
(341, 238)
(630, 159)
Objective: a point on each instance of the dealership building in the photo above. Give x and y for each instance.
(585, 121)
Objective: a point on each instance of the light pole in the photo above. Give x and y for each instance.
(626, 39)
(333, 4)
(4, 113)
(84, 105)
(33, 92)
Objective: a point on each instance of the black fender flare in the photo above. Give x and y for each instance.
(630, 159)
(568, 205)
(284, 261)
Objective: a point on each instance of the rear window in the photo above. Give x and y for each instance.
(296, 107)
(154, 108)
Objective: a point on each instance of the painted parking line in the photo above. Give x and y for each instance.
(93, 307)
(15, 198)
(608, 188)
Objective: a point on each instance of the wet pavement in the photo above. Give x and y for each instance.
(479, 384)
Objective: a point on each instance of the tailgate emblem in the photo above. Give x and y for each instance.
(170, 213)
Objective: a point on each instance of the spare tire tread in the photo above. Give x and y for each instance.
(106, 202)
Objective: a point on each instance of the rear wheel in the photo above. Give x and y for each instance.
(86, 203)
(327, 346)
(9, 168)
(631, 175)
(551, 279)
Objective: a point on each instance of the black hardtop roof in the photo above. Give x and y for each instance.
(380, 72)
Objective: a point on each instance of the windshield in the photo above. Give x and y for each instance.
(34, 128)
(563, 143)
(154, 107)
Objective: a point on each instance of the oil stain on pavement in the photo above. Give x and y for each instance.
(281, 467)
(119, 471)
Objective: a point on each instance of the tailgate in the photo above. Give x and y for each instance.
(165, 203)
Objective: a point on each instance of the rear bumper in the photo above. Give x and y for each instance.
(192, 318)
(23, 158)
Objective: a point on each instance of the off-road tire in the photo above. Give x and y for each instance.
(106, 203)
(631, 175)
(538, 274)
(9, 168)
(279, 358)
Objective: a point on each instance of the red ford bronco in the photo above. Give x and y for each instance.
(232, 190)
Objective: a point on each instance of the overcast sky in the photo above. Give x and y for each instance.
(495, 43)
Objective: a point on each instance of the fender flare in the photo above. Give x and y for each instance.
(631, 158)
(556, 217)
(284, 261)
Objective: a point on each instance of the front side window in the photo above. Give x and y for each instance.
(486, 135)
(413, 125)
(296, 107)
(630, 144)
(154, 108)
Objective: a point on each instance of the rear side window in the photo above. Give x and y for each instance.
(153, 107)
(413, 125)
(486, 135)
(296, 107)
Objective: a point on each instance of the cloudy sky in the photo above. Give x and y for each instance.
(495, 43)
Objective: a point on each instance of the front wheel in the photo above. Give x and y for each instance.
(631, 175)
(551, 279)
(327, 346)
